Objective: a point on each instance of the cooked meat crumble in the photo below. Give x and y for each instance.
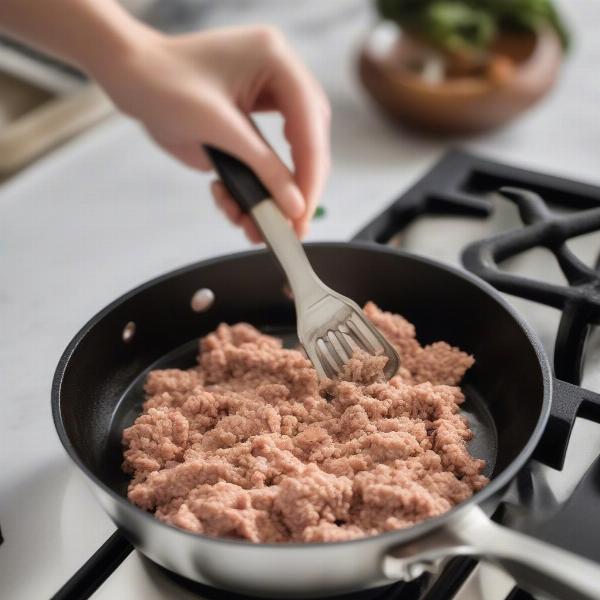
(250, 445)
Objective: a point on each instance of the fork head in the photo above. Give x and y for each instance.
(332, 329)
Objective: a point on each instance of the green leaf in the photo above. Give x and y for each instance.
(458, 25)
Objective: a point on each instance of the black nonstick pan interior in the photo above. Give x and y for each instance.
(100, 389)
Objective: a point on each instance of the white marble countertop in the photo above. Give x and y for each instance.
(109, 211)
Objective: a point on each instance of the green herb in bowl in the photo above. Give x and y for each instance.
(470, 26)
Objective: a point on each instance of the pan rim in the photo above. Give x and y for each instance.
(394, 537)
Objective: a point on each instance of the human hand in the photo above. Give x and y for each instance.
(200, 89)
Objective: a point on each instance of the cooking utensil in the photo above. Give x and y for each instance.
(330, 326)
(510, 396)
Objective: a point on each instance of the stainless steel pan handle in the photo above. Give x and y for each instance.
(535, 565)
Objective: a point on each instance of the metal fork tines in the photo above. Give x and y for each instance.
(334, 328)
(338, 346)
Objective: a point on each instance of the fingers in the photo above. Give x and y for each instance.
(304, 106)
(225, 202)
(232, 211)
(234, 133)
(250, 229)
(307, 129)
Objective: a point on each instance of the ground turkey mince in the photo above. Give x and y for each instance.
(250, 445)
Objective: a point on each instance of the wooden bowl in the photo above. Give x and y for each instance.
(465, 103)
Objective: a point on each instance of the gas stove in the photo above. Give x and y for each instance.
(538, 241)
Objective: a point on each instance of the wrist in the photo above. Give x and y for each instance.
(121, 42)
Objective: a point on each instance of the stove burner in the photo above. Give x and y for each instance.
(579, 301)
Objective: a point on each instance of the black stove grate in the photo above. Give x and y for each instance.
(579, 301)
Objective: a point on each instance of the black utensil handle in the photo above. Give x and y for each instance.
(241, 182)
(568, 402)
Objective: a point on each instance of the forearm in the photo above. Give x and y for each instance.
(92, 34)
(195, 89)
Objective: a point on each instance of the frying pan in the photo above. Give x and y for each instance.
(510, 392)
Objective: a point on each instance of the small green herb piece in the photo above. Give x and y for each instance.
(319, 212)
